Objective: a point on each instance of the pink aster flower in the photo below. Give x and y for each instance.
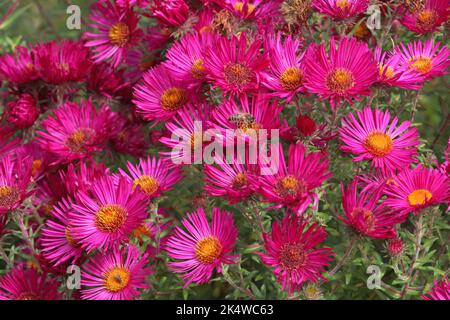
(250, 9)
(428, 17)
(171, 13)
(234, 181)
(107, 214)
(74, 131)
(23, 111)
(18, 67)
(364, 213)
(116, 31)
(293, 185)
(233, 67)
(393, 74)
(6, 143)
(440, 291)
(153, 176)
(118, 274)
(27, 284)
(286, 70)
(416, 189)
(106, 81)
(159, 96)
(373, 137)
(291, 249)
(425, 59)
(186, 58)
(345, 73)
(58, 244)
(60, 62)
(15, 177)
(202, 247)
(341, 9)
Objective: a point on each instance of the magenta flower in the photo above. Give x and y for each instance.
(286, 70)
(425, 59)
(27, 284)
(58, 244)
(106, 81)
(233, 67)
(428, 17)
(73, 131)
(251, 9)
(291, 249)
(171, 13)
(440, 291)
(202, 247)
(159, 96)
(293, 185)
(23, 112)
(373, 137)
(107, 214)
(364, 213)
(116, 275)
(152, 176)
(116, 31)
(6, 143)
(346, 73)
(19, 67)
(341, 9)
(416, 189)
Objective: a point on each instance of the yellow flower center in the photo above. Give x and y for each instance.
(289, 186)
(291, 78)
(208, 249)
(28, 296)
(198, 71)
(240, 180)
(119, 34)
(426, 19)
(340, 80)
(388, 71)
(237, 74)
(78, 140)
(8, 196)
(110, 218)
(148, 184)
(196, 141)
(419, 197)
(69, 237)
(116, 279)
(421, 64)
(239, 6)
(292, 256)
(173, 99)
(36, 166)
(342, 4)
(378, 144)
(140, 231)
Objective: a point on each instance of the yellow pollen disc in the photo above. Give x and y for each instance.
(119, 34)
(292, 256)
(378, 144)
(426, 19)
(362, 31)
(196, 141)
(198, 70)
(237, 74)
(116, 279)
(419, 197)
(140, 231)
(173, 99)
(28, 296)
(36, 166)
(340, 80)
(240, 180)
(8, 196)
(69, 237)
(208, 249)
(421, 64)
(110, 218)
(78, 140)
(239, 6)
(289, 186)
(291, 78)
(386, 71)
(29, 66)
(342, 4)
(148, 184)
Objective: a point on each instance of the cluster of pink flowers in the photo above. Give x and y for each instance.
(86, 175)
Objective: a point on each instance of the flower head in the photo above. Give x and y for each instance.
(171, 13)
(341, 9)
(115, 275)
(19, 67)
(23, 112)
(202, 247)
(373, 137)
(428, 17)
(291, 249)
(440, 291)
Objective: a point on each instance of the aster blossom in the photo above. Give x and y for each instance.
(341, 9)
(202, 247)
(372, 136)
(440, 291)
(291, 249)
(18, 67)
(428, 17)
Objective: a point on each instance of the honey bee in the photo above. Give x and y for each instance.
(414, 5)
(242, 119)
